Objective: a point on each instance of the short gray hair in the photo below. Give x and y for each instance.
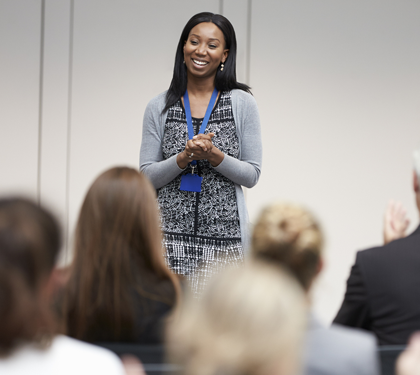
(416, 162)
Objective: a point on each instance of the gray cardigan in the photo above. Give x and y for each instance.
(242, 171)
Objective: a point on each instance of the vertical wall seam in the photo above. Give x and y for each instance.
(41, 93)
(221, 7)
(248, 44)
(69, 112)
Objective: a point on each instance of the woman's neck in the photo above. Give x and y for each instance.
(200, 87)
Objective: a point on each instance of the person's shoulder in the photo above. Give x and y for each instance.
(242, 96)
(350, 337)
(342, 336)
(340, 350)
(81, 356)
(244, 106)
(392, 249)
(65, 356)
(158, 102)
(413, 239)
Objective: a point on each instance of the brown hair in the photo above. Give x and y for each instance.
(29, 244)
(289, 235)
(249, 320)
(118, 255)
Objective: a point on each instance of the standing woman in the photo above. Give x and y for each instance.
(201, 143)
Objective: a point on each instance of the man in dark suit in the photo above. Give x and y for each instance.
(383, 289)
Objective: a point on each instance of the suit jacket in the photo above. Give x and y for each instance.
(383, 291)
(339, 350)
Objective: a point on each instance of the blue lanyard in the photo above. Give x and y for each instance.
(206, 117)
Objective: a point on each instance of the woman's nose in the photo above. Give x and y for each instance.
(201, 50)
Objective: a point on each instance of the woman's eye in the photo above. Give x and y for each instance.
(194, 42)
(212, 46)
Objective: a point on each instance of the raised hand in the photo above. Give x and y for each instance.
(395, 222)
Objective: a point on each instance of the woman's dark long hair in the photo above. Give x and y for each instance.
(118, 259)
(225, 80)
(29, 244)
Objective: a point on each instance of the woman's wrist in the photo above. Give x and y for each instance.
(182, 159)
(216, 156)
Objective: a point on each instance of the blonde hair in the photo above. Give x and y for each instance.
(289, 235)
(250, 320)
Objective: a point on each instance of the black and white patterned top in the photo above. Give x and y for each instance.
(202, 230)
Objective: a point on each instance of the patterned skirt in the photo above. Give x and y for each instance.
(199, 259)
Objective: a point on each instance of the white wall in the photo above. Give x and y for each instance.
(20, 46)
(338, 87)
(337, 83)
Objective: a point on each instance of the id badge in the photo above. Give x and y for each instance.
(191, 182)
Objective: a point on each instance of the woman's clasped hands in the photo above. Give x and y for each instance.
(200, 147)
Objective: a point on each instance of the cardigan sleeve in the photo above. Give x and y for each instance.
(246, 170)
(159, 171)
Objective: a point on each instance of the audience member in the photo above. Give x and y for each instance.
(383, 284)
(29, 243)
(290, 236)
(250, 320)
(120, 288)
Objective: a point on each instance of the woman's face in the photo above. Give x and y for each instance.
(204, 50)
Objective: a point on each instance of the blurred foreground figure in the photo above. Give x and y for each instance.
(289, 236)
(382, 289)
(249, 320)
(29, 243)
(120, 289)
(408, 362)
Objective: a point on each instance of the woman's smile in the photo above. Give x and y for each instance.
(200, 63)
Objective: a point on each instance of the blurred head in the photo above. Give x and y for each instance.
(289, 235)
(118, 252)
(416, 176)
(119, 222)
(250, 320)
(29, 244)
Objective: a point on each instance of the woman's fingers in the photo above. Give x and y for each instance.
(193, 151)
(199, 147)
(205, 145)
(207, 137)
(204, 141)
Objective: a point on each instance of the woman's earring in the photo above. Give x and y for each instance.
(184, 61)
(221, 67)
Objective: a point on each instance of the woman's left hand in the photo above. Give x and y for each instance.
(211, 152)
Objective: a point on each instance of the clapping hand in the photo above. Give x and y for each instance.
(132, 365)
(395, 222)
(408, 362)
